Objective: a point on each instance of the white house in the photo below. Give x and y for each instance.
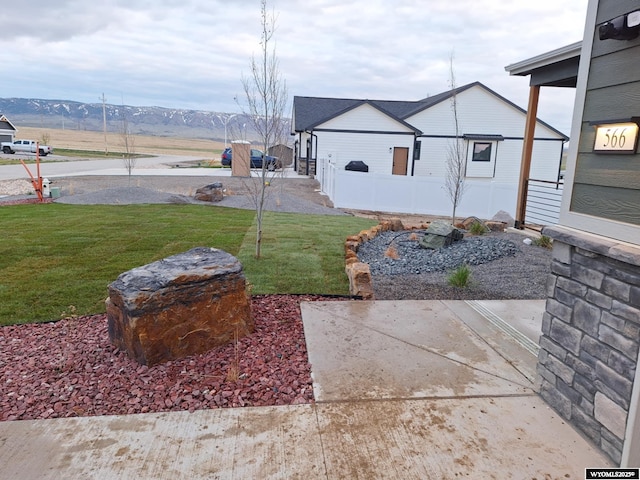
(406, 144)
(7, 130)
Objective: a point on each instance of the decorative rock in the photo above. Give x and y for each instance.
(210, 193)
(182, 305)
(467, 222)
(504, 217)
(395, 225)
(360, 280)
(440, 234)
(495, 226)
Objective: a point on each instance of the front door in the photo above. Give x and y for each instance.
(400, 160)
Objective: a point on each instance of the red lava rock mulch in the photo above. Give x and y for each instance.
(70, 369)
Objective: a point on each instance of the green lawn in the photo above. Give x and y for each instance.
(58, 259)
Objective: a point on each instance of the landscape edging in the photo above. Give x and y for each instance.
(359, 274)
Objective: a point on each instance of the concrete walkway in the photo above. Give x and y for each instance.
(404, 389)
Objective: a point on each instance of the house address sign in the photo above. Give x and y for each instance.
(616, 138)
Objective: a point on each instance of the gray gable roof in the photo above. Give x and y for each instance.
(309, 112)
(5, 124)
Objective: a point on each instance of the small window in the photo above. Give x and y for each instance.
(481, 152)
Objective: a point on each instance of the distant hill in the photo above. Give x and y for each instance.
(159, 121)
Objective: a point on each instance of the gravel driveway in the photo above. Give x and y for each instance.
(293, 195)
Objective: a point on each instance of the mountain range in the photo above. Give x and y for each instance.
(159, 121)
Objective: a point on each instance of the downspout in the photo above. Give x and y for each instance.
(560, 163)
(413, 155)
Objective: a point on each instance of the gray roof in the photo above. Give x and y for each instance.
(313, 111)
(5, 124)
(309, 112)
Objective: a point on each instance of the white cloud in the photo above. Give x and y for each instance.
(192, 53)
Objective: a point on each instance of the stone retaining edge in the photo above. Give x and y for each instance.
(359, 274)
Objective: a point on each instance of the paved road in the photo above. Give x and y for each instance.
(56, 166)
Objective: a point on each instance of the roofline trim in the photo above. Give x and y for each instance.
(524, 67)
(357, 104)
(5, 119)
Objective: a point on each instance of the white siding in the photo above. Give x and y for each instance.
(376, 150)
(365, 118)
(433, 157)
(483, 169)
(478, 112)
(545, 161)
(482, 113)
(352, 143)
(509, 157)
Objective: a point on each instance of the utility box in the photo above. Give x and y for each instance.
(46, 191)
(240, 158)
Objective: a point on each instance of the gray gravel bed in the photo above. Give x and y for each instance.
(414, 259)
(502, 267)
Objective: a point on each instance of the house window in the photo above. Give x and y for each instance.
(481, 152)
(481, 156)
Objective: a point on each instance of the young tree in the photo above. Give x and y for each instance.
(266, 94)
(455, 175)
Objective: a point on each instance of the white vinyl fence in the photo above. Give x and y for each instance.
(425, 195)
(418, 195)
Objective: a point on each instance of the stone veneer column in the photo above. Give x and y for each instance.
(591, 334)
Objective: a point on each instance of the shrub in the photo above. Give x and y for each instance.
(478, 228)
(460, 277)
(544, 242)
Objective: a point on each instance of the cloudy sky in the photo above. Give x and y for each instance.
(193, 53)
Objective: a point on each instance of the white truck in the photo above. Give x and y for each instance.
(25, 146)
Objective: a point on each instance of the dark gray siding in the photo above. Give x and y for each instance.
(608, 185)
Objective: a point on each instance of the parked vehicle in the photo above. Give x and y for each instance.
(256, 159)
(28, 146)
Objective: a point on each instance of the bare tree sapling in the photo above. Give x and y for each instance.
(455, 174)
(266, 95)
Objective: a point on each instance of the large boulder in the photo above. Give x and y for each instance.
(504, 217)
(210, 193)
(182, 305)
(440, 234)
